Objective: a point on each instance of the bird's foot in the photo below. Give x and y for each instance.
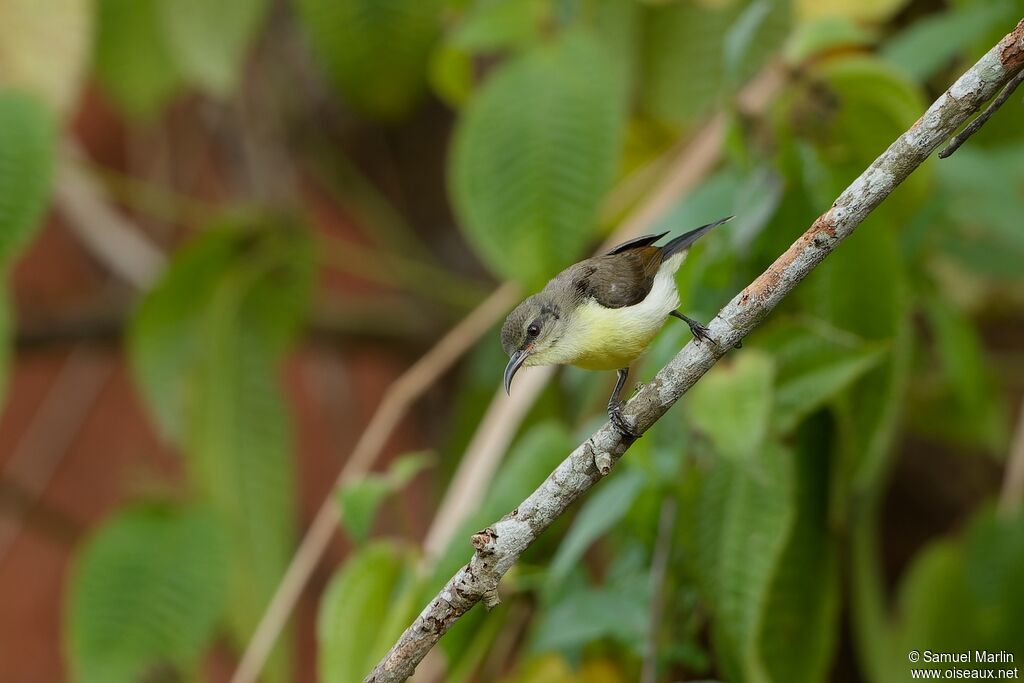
(700, 332)
(618, 421)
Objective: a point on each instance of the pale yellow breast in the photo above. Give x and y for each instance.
(602, 338)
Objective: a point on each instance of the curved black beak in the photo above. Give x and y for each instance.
(515, 362)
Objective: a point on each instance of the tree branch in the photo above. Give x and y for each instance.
(498, 547)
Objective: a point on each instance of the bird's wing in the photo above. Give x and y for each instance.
(619, 279)
(636, 243)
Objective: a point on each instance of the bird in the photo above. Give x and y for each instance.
(603, 312)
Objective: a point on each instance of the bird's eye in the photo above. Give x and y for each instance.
(533, 330)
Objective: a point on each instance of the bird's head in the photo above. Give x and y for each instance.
(530, 333)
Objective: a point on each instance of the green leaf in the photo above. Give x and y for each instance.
(732, 405)
(978, 579)
(359, 500)
(978, 405)
(802, 598)
(27, 135)
(584, 616)
(533, 155)
(757, 33)
(353, 631)
(932, 42)
(164, 339)
(745, 517)
(850, 111)
(133, 63)
(825, 34)
(375, 51)
(210, 40)
(985, 190)
(146, 595)
(683, 72)
(211, 334)
(816, 362)
(450, 73)
(500, 24)
(601, 511)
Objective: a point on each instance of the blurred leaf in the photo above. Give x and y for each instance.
(465, 667)
(859, 10)
(164, 339)
(851, 110)
(617, 610)
(759, 30)
(210, 40)
(27, 135)
(554, 669)
(985, 189)
(211, 371)
(825, 34)
(133, 62)
(494, 25)
(146, 594)
(44, 48)
(617, 25)
(534, 154)
(934, 41)
(358, 501)
(977, 577)
(375, 51)
(601, 511)
(979, 406)
(450, 73)
(745, 517)
(732, 404)
(802, 599)
(683, 65)
(815, 363)
(353, 630)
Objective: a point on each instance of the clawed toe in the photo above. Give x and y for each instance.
(619, 422)
(701, 333)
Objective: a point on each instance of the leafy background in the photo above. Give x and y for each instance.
(324, 187)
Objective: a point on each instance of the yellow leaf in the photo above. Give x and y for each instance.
(44, 48)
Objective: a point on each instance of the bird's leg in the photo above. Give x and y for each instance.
(615, 407)
(699, 332)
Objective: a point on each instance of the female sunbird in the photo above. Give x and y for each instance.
(602, 313)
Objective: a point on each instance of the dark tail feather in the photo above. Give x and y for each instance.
(682, 242)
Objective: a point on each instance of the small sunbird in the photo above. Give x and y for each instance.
(602, 313)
